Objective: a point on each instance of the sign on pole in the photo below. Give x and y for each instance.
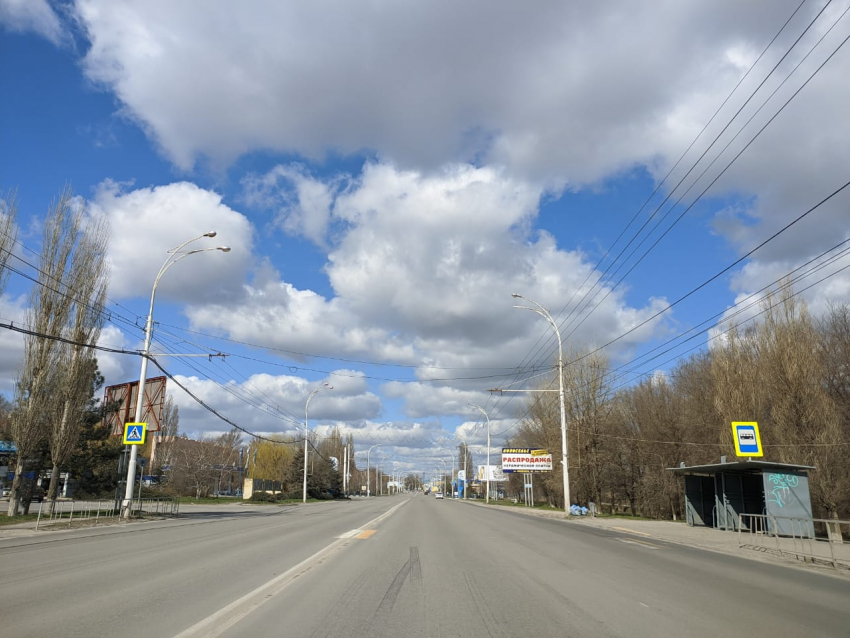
(526, 459)
(134, 433)
(747, 439)
(494, 475)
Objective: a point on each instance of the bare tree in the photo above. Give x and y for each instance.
(193, 465)
(88, 281)
(805, 421)
(588, 389)
(8, 234)
(162, 446)
(50, 308)
(541, 427)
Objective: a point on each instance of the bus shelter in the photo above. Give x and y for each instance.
(716, 495)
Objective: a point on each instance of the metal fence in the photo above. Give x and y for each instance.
(106, 511)
(167, 506)
(815, 540)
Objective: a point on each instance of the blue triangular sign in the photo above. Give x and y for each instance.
(135, 433)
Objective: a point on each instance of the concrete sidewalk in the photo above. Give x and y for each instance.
(679, 532)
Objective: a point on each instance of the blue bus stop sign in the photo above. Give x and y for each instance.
(747, 439)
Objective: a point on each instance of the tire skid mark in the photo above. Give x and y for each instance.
(485, 613)
(347, 601)
(378, 625)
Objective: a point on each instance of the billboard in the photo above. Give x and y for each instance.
(526, 459)
(495, 473)
(121, 401)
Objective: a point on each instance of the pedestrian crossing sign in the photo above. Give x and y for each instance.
(134, 433)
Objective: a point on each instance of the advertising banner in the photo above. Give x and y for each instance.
(526, 459)
(495, 473)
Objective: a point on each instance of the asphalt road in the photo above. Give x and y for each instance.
(398, 567)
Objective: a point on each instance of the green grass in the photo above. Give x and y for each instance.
(21, 518)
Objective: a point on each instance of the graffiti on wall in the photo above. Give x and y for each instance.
(782, 484)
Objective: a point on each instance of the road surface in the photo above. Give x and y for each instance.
(403, 566)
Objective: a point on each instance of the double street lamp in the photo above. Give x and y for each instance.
(452, 457)
(540, 310)
(487, 469)
(368, 483)
(379, 473)
(172, 259)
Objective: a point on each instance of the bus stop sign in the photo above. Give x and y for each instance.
(747, 439)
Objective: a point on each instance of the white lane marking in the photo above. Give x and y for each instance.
(631, 531)
(351, 534)
(222, 620)
(645, 605)
(634, 541)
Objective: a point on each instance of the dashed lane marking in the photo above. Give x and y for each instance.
(351, 534)
(634, 541)
(631, 531)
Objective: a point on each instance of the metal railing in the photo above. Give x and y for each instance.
(165, 506)
(815, 540)
(97, 511)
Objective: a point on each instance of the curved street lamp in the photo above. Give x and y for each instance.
(169, 262)
(307, 437)
(540, 310)
(465, 469)
(381, 468)
(487, 470)
(452, 457)
(445, 471)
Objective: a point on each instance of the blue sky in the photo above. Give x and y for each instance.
(387, 175)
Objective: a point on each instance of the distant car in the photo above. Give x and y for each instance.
(439, 495)
(7, 491)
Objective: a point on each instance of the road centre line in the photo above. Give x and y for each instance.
(358, 533)
(222, 620)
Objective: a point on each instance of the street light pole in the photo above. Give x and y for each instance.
(487, 470)
(381, 477)
(169, 262)
(465, 456)
(307, 438)
(452, 457)
(368, 481)
(540, 310)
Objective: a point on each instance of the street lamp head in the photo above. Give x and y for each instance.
(516, 295)
(224, 249)
(211, 233)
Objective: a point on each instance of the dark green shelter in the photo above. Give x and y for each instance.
(717, 494)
